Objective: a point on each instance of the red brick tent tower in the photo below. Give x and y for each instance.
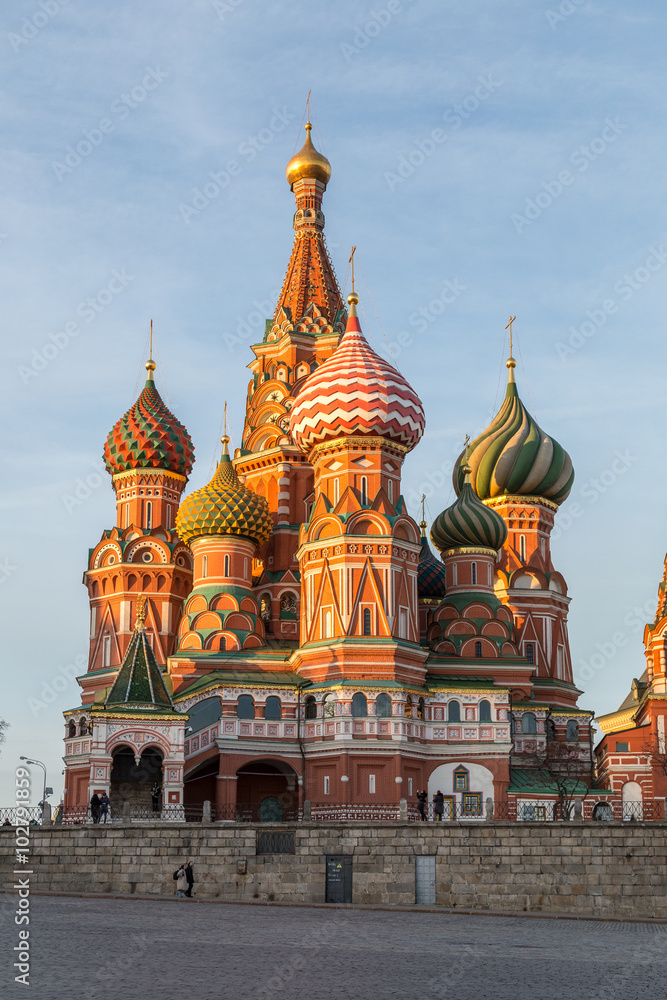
(632, 755)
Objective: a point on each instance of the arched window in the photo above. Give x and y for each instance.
(329, 706)
(359, 705)
(473, 572)
(528, 724)
(478, 650)
(522, 548)
(572, 733)
(364, 489)
(223, 642)
(288, 606)
(454, 711)
(311, 707)
(551, 729)
(485, 711)
(149, 514)
(367, 621)
(245, 708)
(226, 572)
(408, 707)
(390, 490)
(383, 706)
(530, 652)
(421, 704)
(83, 727)
(327, 625)
(106, 650)
(273, 708)
(71, 730)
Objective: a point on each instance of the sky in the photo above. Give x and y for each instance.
(487, 159)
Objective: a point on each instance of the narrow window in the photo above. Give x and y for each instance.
(528, 724)
(383, 706)
(543, 547)
(402, 624)
(328, 625)
(359, 705)
(409, 786)
(245, 569)
(169, 515)
(489, 578)
(485, 711)
(336, 491)
(311, 708)
(473, 572)
(572, 733)
(454, 712)
(106, 651)
(273, 708)
(226, 573)
(127, 515)
(326, 784)
(522, 548)
(530, 652)
(390, 490)
(367, 621)
(149, 514)
(478, 650)
(204, 566)
(455, 575)
(364, 489)
(371, 784)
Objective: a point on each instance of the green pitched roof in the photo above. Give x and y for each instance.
(139, 682)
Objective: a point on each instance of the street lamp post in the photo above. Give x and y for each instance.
(29, 760)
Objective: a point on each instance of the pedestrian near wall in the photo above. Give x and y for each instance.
(104, 807)
(438, 805)
(421, 803)
(95, 807)
(181, 882)
(190, 876)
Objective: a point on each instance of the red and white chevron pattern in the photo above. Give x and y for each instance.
(356, 392)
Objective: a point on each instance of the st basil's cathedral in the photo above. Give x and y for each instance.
(284, 639)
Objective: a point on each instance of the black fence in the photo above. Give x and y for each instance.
(21, 816)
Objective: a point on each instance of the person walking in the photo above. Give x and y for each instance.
(422, 798)
(156, 791)
(181, 882)
(438, 805)
(190, 876)
(104, 807)
(95, 807)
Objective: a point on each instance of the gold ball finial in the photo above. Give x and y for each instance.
(150, 367)
(510, 363)
(308, 163)
(353, 299)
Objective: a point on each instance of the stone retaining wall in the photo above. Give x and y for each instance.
(592, 869)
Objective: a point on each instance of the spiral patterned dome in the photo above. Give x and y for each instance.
(308, 162)
(468, 522)
(149, 436)
(224, 507)
(430, 571)
(514, 456)
(354, 392)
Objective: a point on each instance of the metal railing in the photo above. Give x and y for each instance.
(20, 816)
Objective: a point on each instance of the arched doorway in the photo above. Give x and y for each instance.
(465, 786)
(632, 800)
(267, 791)
(131, 782)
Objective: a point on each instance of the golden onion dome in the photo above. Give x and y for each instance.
(308, 163)
(224, 507)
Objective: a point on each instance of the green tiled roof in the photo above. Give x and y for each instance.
(139, 682)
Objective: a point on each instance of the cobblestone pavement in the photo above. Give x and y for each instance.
(159, 950)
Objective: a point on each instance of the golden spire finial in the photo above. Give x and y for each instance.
(352, 298)
(511, 363)
(466, 468)
(225, 438)
(422, 523)
(150, 364)
(141, 613)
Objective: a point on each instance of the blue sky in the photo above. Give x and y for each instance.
(487, 158)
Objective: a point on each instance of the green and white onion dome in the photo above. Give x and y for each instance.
(514, 456)
(468, 523)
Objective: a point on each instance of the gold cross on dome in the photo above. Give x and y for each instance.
(351, 263)
(509, 327)
(465, 445)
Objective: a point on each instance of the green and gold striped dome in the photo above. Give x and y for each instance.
(224, 507)
(514, 456)
(468, 522)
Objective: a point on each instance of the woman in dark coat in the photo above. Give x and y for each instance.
(95, 807)
(421, 803)
(438, 805)
(190, 876)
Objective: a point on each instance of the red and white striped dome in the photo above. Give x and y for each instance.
(356, 392)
